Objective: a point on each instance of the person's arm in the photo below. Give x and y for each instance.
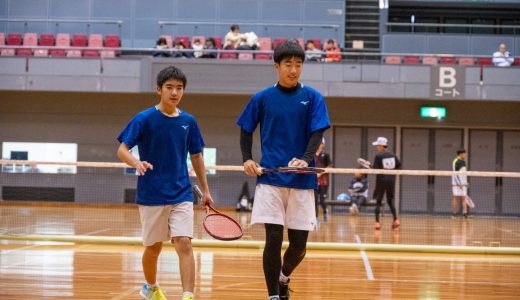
(310, 151)
(497, 58)
(251, 167)
(197, 161)
(123, 153)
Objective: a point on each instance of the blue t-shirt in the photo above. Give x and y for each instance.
(164, 142)
(287, 120)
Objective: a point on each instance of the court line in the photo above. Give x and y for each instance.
(18, 249)
(368, 268)
(125, 293)
(97, 231)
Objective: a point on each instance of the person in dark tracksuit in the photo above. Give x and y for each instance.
(385, 184)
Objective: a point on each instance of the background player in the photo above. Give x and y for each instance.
(322, 160)
(292, 120)
(164, 135)
(385, 184)
(459, 184)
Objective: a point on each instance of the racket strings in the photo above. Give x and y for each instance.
(221, 226)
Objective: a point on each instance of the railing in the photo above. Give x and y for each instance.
(413, 26)
(265, 26)
(57, 22)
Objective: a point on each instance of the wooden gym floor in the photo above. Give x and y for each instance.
(50, 270)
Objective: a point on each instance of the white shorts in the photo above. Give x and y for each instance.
(460, 190)
(162, 222)
(292, 208)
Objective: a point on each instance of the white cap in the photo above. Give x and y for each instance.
(381, 141)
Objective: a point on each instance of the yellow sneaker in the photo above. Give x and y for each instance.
(152, 293)
(187, 297)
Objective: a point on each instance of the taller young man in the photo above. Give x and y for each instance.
(165, 135)
(292, 120)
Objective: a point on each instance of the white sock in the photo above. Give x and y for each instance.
(151, 286)
(283, 278)
(275, 297)
(187, 294)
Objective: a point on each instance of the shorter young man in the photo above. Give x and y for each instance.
(164, 136)
(459, 184)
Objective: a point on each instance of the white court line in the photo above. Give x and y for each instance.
(125, 293)
(18, 249)
(97, 231)
(368, 268)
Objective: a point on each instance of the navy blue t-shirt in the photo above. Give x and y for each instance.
(287, 119)
(165, 143)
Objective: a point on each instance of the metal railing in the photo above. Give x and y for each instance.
(57, 23)
(413, 26)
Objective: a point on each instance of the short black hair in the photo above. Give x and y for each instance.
(461, 150)
(234, 26)
(170, 73)
(288, 49)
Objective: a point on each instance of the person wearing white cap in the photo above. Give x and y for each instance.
(385, 184)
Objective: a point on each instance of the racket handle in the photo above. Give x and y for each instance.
(197, 191)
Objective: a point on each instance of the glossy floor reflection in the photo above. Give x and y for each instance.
(66, 271)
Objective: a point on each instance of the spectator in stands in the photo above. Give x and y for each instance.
(332, 53)
(178, 51)
(502, 58)
(358, 192)
(311, 53)
(248, 41)
(197, 48)
(161, 45)
(210, 45)
(233, 37)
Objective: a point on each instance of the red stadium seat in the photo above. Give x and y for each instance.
(108, 53)
(185, 40)
(393, 60)
(7, 52)
(73, 53)
(63, 40)
(57, 53)
(41, 52)
(91, 53)
(95, 40)
(200, 37)
(466, 61)
(485, 61)
(429, 60)
(448, 60)
(317, 43)
(2, 38)
(14, 39)
(278, 41)
(218, 41)
(79, 40)
(411, 60)
(301, 42)
(265, 45)
(46, 39)
(112, 41)
(228, 55)
(245, 56)
(30, 39)
(516, 62)
(23, 52)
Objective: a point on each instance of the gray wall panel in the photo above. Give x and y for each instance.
(416, 90)
(111, 9)
(487, 45)
(77, 9)
(449, 44)
(29, 9)
(404, 43)
(352, 72)
(249, 12)
(415, 74)
(156, 10)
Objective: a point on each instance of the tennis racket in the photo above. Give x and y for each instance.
(364, 163)
(297, 170)
(469, 202)
(218, 225)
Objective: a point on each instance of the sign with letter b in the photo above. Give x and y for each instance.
(447, 82)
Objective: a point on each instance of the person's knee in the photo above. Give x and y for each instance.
(182, 245)
(298, 239)
(154, 250)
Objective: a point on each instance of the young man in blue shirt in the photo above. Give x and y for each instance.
(292, 120)
(165, 135)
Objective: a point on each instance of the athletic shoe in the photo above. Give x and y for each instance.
(453, 215)
(187, 297)
(154, 293)
(354, 209)
(396, 224)
(465, 215)
(284, 290)
(377, 226)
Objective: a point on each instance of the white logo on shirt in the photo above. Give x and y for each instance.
(185, 127)
(389, 163)
(304, 102)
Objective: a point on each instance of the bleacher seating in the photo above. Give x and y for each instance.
(278, 41)
(14, 39)
(169, 40)
(185, 40)
(218, 41)
(265, 45)
(429, 60)
(79, 40)
(2, 39)
(448, 60)
(484, 61)
(466, 61)
(411, 60)
(393, 59)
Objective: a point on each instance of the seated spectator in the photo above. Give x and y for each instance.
(161, 45)
(210, 45)
(178, 51)
(197, 47)
(232, 38)
(248, 41)
(502, 58)
(332, 53)
(358, 191)
(311, 53)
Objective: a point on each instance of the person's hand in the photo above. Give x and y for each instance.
(141, 167)
(206, 199)
(295, 162)
(252, 168)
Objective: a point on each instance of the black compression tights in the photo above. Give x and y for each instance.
(291, 259)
